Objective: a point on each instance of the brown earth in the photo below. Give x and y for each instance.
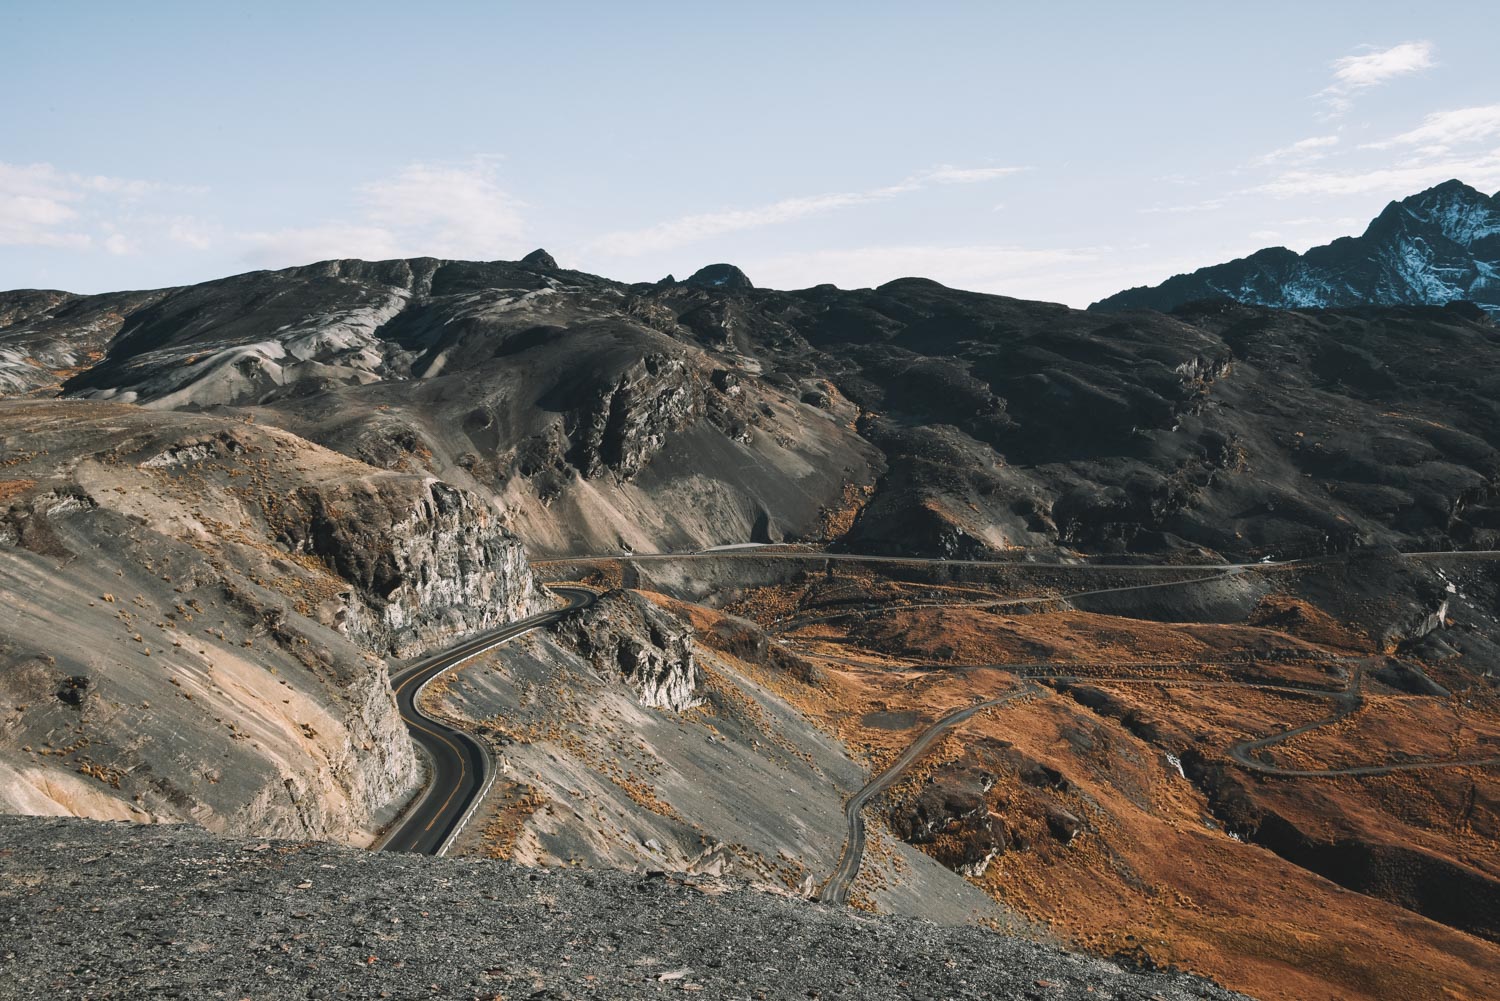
(1070, 807)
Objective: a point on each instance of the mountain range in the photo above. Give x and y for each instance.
(1439, 246)
(943, 604)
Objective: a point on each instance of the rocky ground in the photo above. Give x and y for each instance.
(215, 918)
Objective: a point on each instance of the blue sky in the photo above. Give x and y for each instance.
(1060, 151)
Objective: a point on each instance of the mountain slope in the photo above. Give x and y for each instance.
(1433, 248)
(912, 418)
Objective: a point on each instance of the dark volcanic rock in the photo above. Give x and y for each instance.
(720, 276)
(619, 427)
(113, 911)
(1440, 246)
(539, 258)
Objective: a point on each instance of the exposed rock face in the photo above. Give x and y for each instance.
(428, 562)
(1430, 249)
(650, 649)
(225, 589)
(47, 337)
(629, 422)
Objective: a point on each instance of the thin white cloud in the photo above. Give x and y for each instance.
(120, 245)
(1372, 68)
(1302, 151)
(693, 228)
(1352, 74)
(42, 205)
(457, 211)
(304, 244)
(1442, 130)
(968, 175)
(39, 207)
(1481, 170)
(191, 232)
(1205, 205)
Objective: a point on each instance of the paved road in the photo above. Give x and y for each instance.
(461, 769)
(1345, 703)
(836, 890)
(1036, 599)
(748, 552)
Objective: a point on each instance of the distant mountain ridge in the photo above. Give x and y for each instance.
(1432, 248)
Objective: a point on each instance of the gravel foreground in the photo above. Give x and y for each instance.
(96, 910)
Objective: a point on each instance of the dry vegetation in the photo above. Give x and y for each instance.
(1151, 872)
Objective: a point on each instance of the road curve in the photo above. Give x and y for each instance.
(836, 890)
(460, 764)
(1346, 703)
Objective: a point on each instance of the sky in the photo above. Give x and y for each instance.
(1058, 151)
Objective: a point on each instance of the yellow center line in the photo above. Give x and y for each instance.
(429, 674)
(463, 768)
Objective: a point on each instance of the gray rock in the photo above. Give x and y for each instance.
(114, 911)
(626, 635)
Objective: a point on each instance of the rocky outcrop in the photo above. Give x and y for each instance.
(428, 562)
(720, 276)
(226, 588)
(993, 799)
(650, 649)
(539, 259)
(622, 427)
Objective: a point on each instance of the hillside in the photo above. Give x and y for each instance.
(912, 418)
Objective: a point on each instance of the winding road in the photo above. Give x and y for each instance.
(460, 766)
(836, 890)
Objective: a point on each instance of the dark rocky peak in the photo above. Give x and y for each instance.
(720, 276)
(1437, 246)
(539, 258)
(1454, 209)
